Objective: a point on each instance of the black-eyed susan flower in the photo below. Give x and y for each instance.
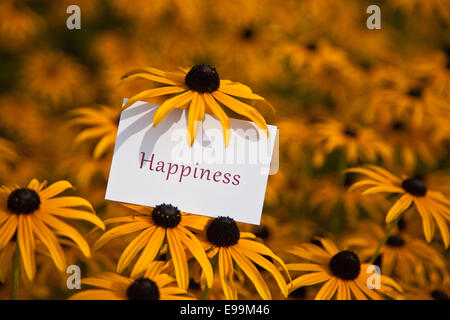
(18, 24)
(429, 9)
(154, 284)
(326, 195)
(254, 37)
(203, 90)
(402, 256)
(55, 78)
(406, 94)
(341, 273)
(413, 144)
(224, 242)
(99, 123)
(27, 213)
(437, 288)
(432, 206)
(157, 226)
(330, 68)
(357, 143)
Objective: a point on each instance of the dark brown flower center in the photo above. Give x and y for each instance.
(395, 241)
(415, 92)
(143, 289)
(398, 126)
(439, 295)
(350, 132)
(166, 216)
(23, 201)
(447, 53)
(345, 265)
(447, 50)
(414, 186)
(311, 46)
(223, 232)
(202, 78)
(248, 33)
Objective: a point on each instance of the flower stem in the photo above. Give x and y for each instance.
(16, 275)
(385, 238)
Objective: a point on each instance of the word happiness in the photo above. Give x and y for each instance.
(183, 171)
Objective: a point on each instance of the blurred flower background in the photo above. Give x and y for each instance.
(344, 96)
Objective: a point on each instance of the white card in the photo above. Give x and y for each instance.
(155, 165)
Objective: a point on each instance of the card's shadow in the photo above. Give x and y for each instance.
(153, 134)
(145, 121)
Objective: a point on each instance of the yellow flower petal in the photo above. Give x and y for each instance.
(427, 220)
(266, 264)
(170, 104)
(55, 189)
(242, 109)
(226, 274)
(401, 205)
(67, 231)
(117, 232)
(327, 291)
(195, 247)
(193, 118)
(69, 213)
(133, 248)
(359, 295)
(103, 145)
(179, 260)
(151, 77)
(25, 237)
(150, 251)
(221, 115)
(309, 279)
(7, 230)
(63, 202)
(151, 93)
(252, 273)
(50, 241)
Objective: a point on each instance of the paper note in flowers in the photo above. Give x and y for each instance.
(155, 165)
